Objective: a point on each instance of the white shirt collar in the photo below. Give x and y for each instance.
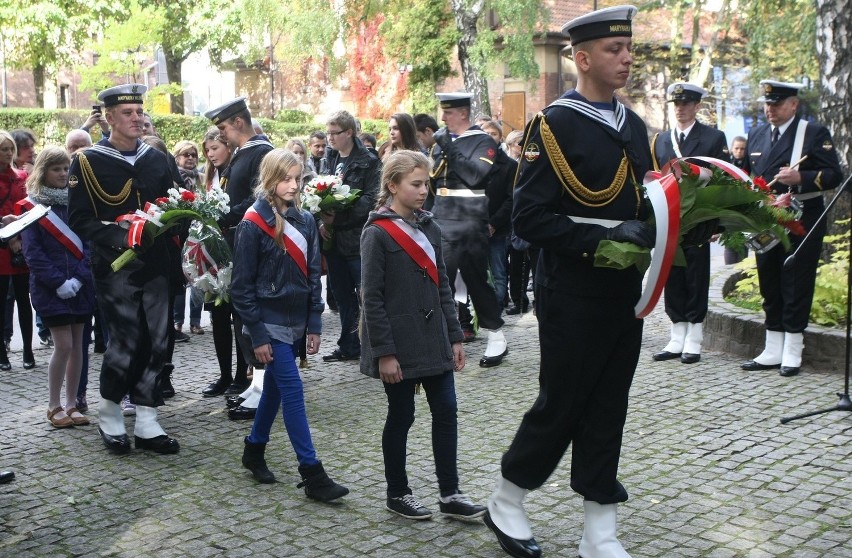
(783, 127)
(687, 130)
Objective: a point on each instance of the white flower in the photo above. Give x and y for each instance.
(342, 189)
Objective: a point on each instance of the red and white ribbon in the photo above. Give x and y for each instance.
(664, 195)
(57, 228)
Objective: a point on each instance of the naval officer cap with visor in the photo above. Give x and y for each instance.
(685, 92)
(777, 91)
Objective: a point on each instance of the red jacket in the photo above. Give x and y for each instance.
(12, 189)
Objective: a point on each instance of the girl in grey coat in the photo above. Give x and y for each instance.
(410, 332)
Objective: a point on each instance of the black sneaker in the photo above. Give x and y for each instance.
(181, 337)
(338, 356)
(408, 507)
(460, 506)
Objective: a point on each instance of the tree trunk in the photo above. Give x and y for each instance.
(173, 71)
(834, 50)
(474, 80)
(701, 73)
(39, 72)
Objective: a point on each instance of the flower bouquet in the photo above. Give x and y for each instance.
(168, 212)
(328, 194)
(207, 262)
(690, 199)
(739, 205)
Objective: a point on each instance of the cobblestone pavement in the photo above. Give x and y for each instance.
(710, 470)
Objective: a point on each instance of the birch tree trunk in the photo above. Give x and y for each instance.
(834, 50)
(467, 13)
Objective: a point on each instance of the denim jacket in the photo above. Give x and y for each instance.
(267, 287)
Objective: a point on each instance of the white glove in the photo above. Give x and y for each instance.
(76, 284)
(66, 290)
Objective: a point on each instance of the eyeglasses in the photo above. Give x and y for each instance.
(195, 155)
(330, 133)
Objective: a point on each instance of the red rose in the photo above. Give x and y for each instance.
(187, 196)
(795, 227)
(160, 201)
(761, 184)
(322, 187)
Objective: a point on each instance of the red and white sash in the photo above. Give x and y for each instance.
(407, 241)
(294, 241)
(56, 227)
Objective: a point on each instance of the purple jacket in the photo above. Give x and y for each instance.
(51, 264)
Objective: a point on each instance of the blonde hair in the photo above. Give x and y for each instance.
(48, 157)
(212, 134)
(490, 124)
(6, 136)
(397, 166)
(273, 169)
(514, 137)
(183, 146)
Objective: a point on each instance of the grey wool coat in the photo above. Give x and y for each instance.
(404, 313)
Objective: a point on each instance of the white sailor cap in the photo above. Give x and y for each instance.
(775, 91)
(454, 100)
(683, 91)
(227, 110)
(607, 22)
(129, 93)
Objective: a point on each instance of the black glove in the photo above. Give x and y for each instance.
(700, 233)
(638, 232)
(443, 139)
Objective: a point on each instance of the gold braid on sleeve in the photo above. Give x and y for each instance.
(569, 180)
(93, 186)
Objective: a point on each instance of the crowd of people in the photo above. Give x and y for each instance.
(408, 262)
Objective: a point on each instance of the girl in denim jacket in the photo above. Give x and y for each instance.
(276, 291)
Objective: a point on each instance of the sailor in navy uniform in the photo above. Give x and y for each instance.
(772, 151)
(687, 286)
(580, 174)
(115, 177)
(463, 160)
(233, 119)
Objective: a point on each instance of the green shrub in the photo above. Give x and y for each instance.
(294, 116)
(829, 304)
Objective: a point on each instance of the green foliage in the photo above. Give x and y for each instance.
(376, 127)
(512, 42)
(294, 116)
(829, 304)
(51, 126)
(781, 39)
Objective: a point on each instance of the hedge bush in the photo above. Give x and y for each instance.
(51, 126)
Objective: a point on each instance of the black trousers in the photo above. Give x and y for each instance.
(137, 314)
(589, 350)
(788, 294)
(687, 286)
(224, 338)
(465, 247)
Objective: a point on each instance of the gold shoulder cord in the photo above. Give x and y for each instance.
(654, 152)
(526, 138)
(434, 173)
(570, 181)
(92, 185)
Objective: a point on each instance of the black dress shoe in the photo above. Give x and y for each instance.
(751, 366)
(241, 413)
(216, 388)
(665, 355)
(29, 364)
(118, 445)
(160, 444)
(689, 358)
(233, 401)
(6, 476)
(488, 362)
(339, 356)
(236, 389)
(788, 371)
(514, 547)
(5, 365)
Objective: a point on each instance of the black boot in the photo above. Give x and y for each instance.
(166, 380)
(253, 461)
(318, 485)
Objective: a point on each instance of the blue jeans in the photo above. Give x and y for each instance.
(441, 395)
(498, 247)
(196, 302)
(282, 387)
(344, 277)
